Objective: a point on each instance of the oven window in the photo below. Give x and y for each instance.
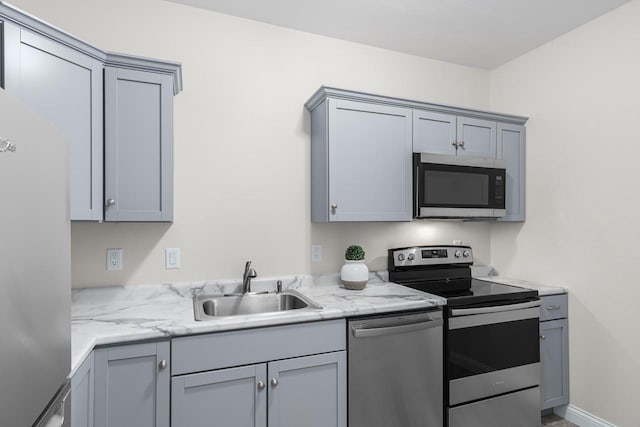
(446, 188)
(488, 348)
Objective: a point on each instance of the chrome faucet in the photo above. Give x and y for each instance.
(249, 273)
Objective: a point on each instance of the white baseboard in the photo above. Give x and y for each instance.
(581, 417)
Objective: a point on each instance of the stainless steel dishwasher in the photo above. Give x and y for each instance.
(395, 370)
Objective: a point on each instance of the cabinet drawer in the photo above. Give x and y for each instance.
(235, 348)
(553, 307)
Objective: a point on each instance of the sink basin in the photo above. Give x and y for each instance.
(208, 307)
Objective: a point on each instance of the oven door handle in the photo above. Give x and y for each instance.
(494, 309)
(411, 327)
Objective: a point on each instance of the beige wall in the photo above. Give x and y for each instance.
(242, 141)
(582, 92)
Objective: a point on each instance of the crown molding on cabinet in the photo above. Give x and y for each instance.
(140, 63)
(329, 92)
(27, 21)
(19, 17)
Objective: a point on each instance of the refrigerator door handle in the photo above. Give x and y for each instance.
(53, 416)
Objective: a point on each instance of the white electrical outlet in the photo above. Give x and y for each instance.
(172, 258)
(114, 259)
(316, 253)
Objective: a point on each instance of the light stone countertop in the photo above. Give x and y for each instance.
(121, 314)
(543, 290)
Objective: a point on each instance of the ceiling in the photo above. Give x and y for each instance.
(478, 33)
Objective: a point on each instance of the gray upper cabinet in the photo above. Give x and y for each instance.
(132, 385)
(138, 145)
(361, 146)
(440, 133)
(476, 137)
(235, 397)
(308, 391)
(511, 148)
(434, 132)
(130, 104)
(361, 162)
(65, 86)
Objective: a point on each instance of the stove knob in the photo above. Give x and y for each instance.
(411, 257)
(401, 257)
(466, 254)
(458, 254)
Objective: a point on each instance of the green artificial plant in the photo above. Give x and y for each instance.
(354, 253)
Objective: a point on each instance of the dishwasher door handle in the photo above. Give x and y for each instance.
(390, 330)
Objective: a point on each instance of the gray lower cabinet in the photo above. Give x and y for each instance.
(82, 389)
(308, 391)
(360, 162)
(280, 376)
(138, 145)
(511, 148)
(554, 351)
(304, 391)
(132, 385)
(65, 86)
(225, 398)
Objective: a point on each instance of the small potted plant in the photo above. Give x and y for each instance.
(354, 272)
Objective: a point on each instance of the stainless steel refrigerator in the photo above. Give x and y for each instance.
(35, 285)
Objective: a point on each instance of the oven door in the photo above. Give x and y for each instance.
(492, 350)
(455, 187)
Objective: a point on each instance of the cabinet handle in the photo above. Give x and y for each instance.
(334, 206)
(553, 307)
(261, 385)
(162, 364)
(454, 143)
(274, 382)
(111, 202)
(461, 144)
(543, 337)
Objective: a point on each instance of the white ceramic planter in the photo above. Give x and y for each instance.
(354, 274)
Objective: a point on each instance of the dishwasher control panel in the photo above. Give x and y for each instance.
(430, 255)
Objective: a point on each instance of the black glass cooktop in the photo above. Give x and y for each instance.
(468, 291)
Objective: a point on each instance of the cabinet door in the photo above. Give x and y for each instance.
(511, 148)
(138, 146)
(308, 391)
(554, 360)
(64, 86)
(434, 133)
(476, 138)
(369, 162)
(132, 386)
(235, 397)
(82, 395)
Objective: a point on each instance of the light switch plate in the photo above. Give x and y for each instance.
(114, 259)
(172, 258)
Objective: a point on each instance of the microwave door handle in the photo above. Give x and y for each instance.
(494, 309)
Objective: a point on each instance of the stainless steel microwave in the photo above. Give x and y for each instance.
(458, 187)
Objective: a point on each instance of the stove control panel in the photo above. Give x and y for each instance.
(431, 255)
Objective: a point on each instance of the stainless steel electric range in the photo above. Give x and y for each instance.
(491, 340)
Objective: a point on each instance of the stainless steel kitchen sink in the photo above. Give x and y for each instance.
(211, 307)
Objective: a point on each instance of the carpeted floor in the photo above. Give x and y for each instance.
(552, 420)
